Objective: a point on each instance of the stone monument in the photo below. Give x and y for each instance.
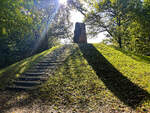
(80, 33)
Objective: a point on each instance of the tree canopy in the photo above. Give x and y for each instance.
(126, 21)
(30, 26)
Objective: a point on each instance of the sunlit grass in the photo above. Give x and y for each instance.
(134, 67)
(8, 74)
(135, 56)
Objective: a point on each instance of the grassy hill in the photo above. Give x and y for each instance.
(13, 71)
(97, 78)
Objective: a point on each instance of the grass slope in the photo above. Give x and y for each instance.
(7, 75)
(95, 78)
(100, 78)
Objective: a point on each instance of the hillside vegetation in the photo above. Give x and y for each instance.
(97, 78)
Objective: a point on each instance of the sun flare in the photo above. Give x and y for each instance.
(63, 2)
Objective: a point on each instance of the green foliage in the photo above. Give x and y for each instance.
(126, 21)
(24, 28)
(15, 32)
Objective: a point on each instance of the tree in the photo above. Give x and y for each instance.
(15, 26)
(112, 16)
(25, 26)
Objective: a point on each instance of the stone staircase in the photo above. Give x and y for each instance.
(42, 69)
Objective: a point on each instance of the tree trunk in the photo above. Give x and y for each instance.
(119, 36)
(120, 42)
(46, 41)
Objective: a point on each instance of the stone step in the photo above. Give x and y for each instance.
(47, 64)
(40, 64)
(35, 74)
(46, 72)
(32, 78)
(44, 68)
(27, 83)
(54, 55)
(53, 60)
(47, 57)
(37, 71)
(41, 67)
(20, 88)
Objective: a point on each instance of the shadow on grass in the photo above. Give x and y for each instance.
(120, 86)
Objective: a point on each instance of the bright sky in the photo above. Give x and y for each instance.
(78, 17)
(64, 2)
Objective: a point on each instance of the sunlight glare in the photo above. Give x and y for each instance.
(63, 2)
